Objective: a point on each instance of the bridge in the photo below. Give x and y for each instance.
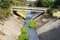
(35, 11)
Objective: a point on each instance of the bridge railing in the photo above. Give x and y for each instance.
(29, 8)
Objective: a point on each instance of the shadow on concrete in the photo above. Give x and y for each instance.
(53, 34)
(17, 14)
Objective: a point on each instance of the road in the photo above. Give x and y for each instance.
(31, 32)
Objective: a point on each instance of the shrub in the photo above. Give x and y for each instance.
(23, 30)
(5, 4)
(19, 18)
(2, 14)
(23, 37)
(32, 24)
(18, 3)
(8, 13)
(50, 12)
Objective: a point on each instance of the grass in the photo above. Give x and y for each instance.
(24, 35)
(5, 13)
(22, 12)
(24, 30)
(32, 24)
(20, 18)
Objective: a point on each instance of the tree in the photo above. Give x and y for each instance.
(44, 3)
(48, 2)
(53, 8)
(56, 4)
(5, 3)
(38, 3)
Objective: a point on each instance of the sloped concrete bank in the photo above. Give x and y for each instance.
(50, 31)
(11, 28)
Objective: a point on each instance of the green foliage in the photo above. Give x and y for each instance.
(8, 13)
(38, 3)
(44, 3)
(23, 30)
(5, 13)
(32, 24)
(2, 14)
(19, 18)
(50, 12)
(18, 3)
(47, 2)
(56, 4)
(23, 37)
(5, 4)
